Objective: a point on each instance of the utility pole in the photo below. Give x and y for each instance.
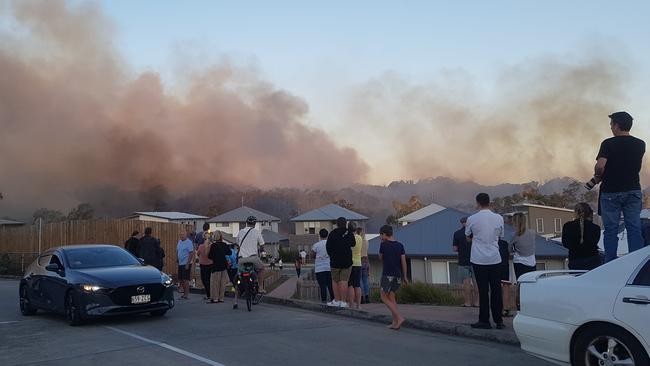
(40, 233)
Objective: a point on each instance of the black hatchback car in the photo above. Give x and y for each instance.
(86, 281)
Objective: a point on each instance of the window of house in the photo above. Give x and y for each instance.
(540, 225)
(453, 273)
(643, 278)
(558, 225)
(439, 272)
(541, 266)
(312, 230)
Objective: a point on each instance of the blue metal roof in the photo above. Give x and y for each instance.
(329, 212)
(240, 214)
(432, 237)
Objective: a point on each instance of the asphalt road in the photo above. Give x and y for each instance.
(194, 333)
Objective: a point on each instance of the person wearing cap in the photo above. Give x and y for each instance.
(618, 165)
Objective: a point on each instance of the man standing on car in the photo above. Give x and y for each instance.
(465, 272)
(185, 258)
(618, 166)
(483, 230)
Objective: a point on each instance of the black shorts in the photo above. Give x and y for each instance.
(184, 274)
(522, 269)
(390, 283)
(355, 277)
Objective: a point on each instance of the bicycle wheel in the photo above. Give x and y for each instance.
(249, 300)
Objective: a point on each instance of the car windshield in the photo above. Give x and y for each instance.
(99, 257)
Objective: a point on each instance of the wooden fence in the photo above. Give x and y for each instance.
(23, 244)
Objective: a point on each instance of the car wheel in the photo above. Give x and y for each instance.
(608, 345)
(25, 307)
(72, 312)
(159, 312)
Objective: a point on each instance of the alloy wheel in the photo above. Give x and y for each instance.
(608, 351)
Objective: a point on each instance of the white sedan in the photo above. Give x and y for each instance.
(600, 317)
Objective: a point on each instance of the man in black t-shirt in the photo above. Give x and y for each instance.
(465, 272)
(618, 166)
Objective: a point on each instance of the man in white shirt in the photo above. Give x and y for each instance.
(484, 229)
(250, 240)
(322, 267)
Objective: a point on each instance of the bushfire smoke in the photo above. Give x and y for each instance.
(74, 115)
(545, 119)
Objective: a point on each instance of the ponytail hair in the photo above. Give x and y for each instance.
(584, 213)
(519, 222)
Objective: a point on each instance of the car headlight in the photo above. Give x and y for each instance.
(91, 288)
(166, 280)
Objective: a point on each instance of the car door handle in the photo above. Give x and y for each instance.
(636, 300)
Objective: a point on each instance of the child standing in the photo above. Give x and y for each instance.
(393, 257)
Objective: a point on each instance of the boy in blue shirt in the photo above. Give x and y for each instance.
(393, 257)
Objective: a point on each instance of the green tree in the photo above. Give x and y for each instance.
(48, 215)
(84, 211)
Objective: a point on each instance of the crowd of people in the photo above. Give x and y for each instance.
(342, 266)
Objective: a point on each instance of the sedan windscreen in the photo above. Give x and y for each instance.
(99, 257)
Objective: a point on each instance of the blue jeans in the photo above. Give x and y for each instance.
(611, 206)
(365, 288)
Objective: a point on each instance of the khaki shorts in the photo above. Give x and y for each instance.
(341, 274)
(255, 260)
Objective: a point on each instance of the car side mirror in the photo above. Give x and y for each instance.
(53, 267)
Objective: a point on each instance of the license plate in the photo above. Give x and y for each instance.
(140, 299)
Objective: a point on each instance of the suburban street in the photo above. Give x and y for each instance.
(194, 333)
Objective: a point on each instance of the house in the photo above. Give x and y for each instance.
(420, 214)
(10, 223)
(233, 221)
(545, 220)
(310, 223)
(430, 257)
(178, 217)
(324, 218)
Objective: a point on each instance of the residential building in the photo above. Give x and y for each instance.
(324, 218)
(420, 214)
(429, 252)
(310, 223)
(233, 221)
(10, 223)
(177, 217)
(545, 220)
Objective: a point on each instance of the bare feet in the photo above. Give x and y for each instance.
(391, 325)
(398, 325)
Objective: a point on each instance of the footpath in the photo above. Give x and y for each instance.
(451, 320)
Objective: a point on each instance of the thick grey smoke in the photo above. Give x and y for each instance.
(74, 115)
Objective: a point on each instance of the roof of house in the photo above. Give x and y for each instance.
(432, 236)
(329, 212)
(240, 214)
(10, 222)
(542, 206)
(270, 236)
(422, 213)
(172, 215)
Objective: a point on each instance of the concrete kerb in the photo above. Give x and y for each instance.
(443, 327)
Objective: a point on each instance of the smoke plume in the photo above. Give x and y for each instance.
(545, 119)
(74, 116)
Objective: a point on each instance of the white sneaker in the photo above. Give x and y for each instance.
(343, 304)
(333, 303)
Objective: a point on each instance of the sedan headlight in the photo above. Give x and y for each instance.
(91, 288)
(166, 280)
